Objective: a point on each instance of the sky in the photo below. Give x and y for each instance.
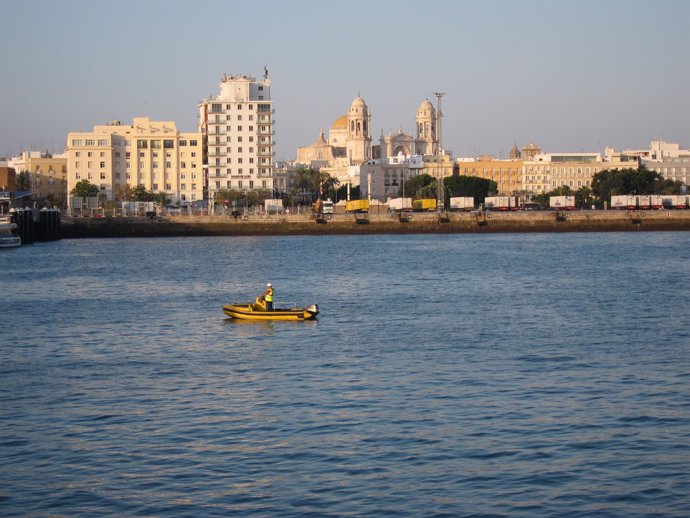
(569, 76)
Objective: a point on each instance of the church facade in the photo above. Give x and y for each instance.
(347, 148)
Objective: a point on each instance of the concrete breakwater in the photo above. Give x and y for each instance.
(419, 223)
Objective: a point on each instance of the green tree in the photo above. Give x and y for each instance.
(84, 189)
(461, 185)
(420, 186)
(139, 193)
(613, 182)
(583, 197)
(124, 193)
(23, 181)
(341, 193)
(329, 185)
(161, 198)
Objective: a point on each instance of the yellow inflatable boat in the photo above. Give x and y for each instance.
(258, 311)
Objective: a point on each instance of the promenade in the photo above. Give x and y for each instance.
(418, 223)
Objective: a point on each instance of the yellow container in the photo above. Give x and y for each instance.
(357, 206)
(425, 204)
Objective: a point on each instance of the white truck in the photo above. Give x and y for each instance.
(464, 203)
(675, 201)
(562, 202)
(500, 203)
(623, 202)
(328, 206)
(399, 204)
(273, 206)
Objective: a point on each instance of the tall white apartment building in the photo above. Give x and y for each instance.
(239, 135)
(153, 154)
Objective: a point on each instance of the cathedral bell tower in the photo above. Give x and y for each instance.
(358, 132)
(426, 140)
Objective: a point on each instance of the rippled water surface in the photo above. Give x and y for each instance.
(482, 375)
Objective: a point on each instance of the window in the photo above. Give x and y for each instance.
(192, 143)
(102, 176)
(142, 144)
(155, 144)
(90, 142)
(183, 142)
(216, 108)
(168, 144)
(76, 142)
(102, 142)
(102, 165)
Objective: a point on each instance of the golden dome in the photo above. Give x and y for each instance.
(340, 123)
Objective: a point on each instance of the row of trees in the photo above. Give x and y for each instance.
(85, 189)
(426, 186)
(615, 182)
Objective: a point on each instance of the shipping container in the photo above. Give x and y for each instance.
(656, 201)
(399, 204)
(425, 204)
(465, 203)
(357, 206)
(644, 202)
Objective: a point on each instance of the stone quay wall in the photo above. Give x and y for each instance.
(340, 224)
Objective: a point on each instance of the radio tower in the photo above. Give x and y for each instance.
(439, 114)
(439, 189)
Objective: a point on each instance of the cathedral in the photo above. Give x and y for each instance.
(349, 143)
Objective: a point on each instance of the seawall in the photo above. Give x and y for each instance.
(343, 224)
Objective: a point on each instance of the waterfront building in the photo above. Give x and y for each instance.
(381, 179)
(665, 158)
(506, 173)
(238, 134)
(153, 154)
(7, 178)
(47, 174)
(546, 172)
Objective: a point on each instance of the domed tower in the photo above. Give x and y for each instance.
(358, 131)
(427, 138)
(515, 153)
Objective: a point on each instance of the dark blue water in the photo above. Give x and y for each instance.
(466, 375)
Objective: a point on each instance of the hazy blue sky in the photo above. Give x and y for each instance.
(568, 75)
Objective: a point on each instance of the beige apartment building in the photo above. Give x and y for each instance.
(549, 171)
(153, 154)
(665, 158)
(506, 173)
(238, 132)
(47, 174)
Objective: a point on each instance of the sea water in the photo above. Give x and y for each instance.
(455, 375)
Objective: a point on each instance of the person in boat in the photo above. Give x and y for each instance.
(268, 297)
